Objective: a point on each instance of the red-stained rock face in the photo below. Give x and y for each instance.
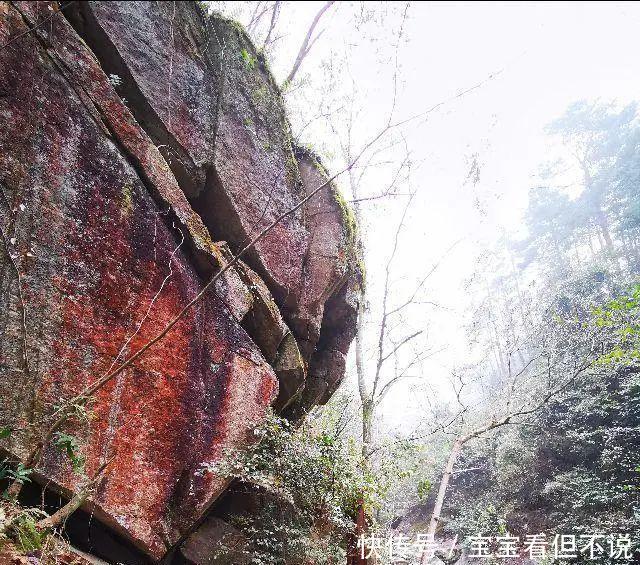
(102, 270)
(106, 237)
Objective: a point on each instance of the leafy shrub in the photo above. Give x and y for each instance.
(316, 482)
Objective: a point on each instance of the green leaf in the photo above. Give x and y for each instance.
(71, 446)
(249, 61)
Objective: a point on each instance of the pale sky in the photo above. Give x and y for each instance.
(549, 55)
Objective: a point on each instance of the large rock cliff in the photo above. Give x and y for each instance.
(142, 144)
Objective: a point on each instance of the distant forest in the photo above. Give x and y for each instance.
(567, 296)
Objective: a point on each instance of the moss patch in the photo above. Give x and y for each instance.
(353, 247)
(351, 231)
(252, 91)
(126, 200)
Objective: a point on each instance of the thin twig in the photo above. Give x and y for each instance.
(36, 26)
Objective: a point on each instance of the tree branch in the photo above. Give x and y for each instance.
(306, 47)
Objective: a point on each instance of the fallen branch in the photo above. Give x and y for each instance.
(59, 517)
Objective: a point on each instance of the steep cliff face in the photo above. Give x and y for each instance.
(142, 144)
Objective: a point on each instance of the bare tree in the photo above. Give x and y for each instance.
(523, 393)
(392, 363)
(308, 42)
(275, 12)
(259, 10)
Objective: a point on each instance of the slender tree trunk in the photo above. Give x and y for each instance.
(603, 224)
(456, 449)
(366, 400)
(627, 249)
(274, 17)
(444, 484)
(600, 217)
(367, 430)
(355, 554)
(590, 243)
(577, 254)
(442, 491)
(307, 44)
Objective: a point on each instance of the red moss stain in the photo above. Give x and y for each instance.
(153, 420)
(173, 409)
(267, 391)
(102, 292)
(102, 317)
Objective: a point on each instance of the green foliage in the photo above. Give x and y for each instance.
(622, 315)
(248, 59)
(315, 483)
(351, 231)
(24, 529)
(603, 141)
(203, 8)
(5, 432)
(261, 97)
(573, 465)
(70, 445)
(13, 473)
(424, 488)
